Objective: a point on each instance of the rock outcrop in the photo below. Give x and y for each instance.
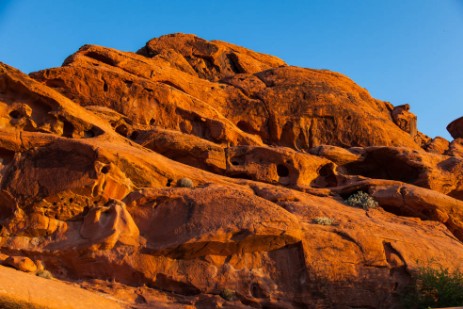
(26, 291)
(455, 128)
(21, 263)
(93, 155)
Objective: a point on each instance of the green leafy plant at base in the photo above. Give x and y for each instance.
(434, 288)
(361, 199)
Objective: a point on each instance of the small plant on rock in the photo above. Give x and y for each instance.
(228, 294)
(323, 221)
(44, 274)
(185, 183)
(362, 200)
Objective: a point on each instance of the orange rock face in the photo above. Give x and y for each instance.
(203, 174)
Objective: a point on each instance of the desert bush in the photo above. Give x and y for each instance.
(323, 220)
(432, 288)
(362, 200)
(228, 294)
(44, 274)
(185, 183)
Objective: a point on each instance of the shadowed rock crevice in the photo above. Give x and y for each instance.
(169, 284)
(101, 57)
(385, 164)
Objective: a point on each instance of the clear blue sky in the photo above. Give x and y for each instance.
(402, 51)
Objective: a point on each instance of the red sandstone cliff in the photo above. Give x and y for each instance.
(92, 156)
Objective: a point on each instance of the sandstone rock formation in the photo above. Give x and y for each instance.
(92, 155)
(21, 263)
(21, 290)
(455, 128)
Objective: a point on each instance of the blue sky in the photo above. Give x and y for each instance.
(402, 51)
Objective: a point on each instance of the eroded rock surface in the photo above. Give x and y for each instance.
(92, 155)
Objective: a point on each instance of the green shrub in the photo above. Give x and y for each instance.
(185, 183)
(362, 200)
(434, 288)
(44, 274)
(323, 220)
(228, 294)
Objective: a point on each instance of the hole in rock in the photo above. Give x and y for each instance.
(122, 130)
(401, 212)
(152, 122)
(55, 83)
(68, 128)
(140, 299)
(282, 170)
(458, 194)
(7, 208)
(242, 176)
(15, 114)
(234, 62)
(256, 291)
(86, 210)
(345, 194)
(385, 163)
(6, 156)
(237, 159)
(89, 133)
(134, 135)
(94, 131)
(326, 177)
(105, 87)
(169, 182)
(246, 127)
(105, 169)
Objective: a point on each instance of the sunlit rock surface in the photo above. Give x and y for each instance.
(92, 153)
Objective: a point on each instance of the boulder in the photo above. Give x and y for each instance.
(455, 128)
(438, 145)
(456, 148)
(404, 119)
(22, 263)
(106, 226)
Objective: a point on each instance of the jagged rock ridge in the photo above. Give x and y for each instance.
(92, 153)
